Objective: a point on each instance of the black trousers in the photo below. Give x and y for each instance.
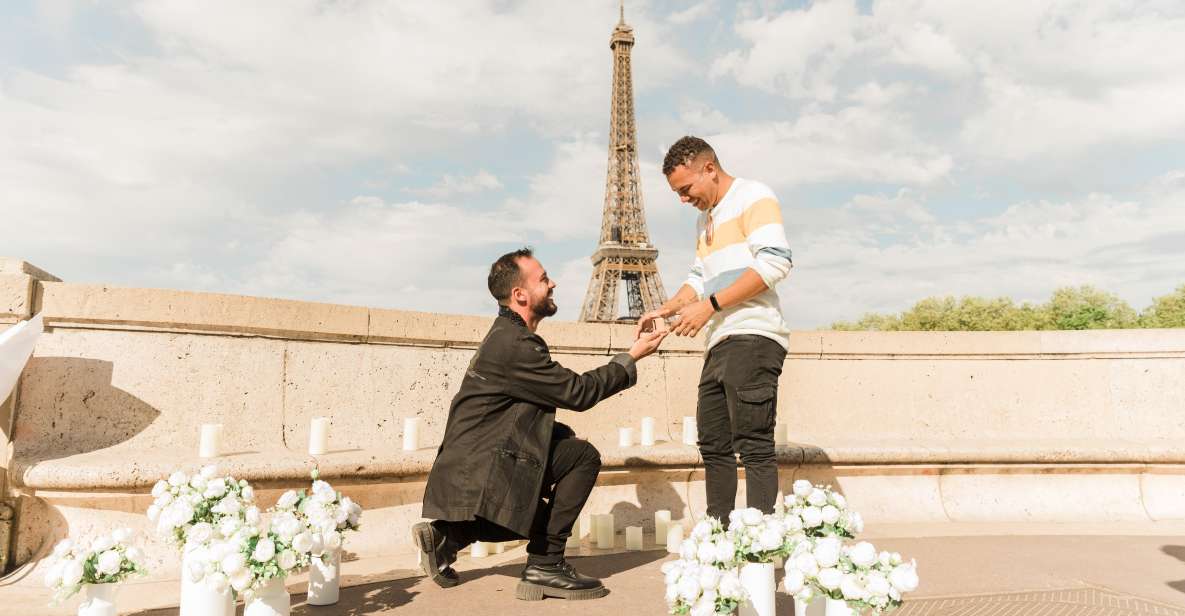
(572, 468)
(738, 399)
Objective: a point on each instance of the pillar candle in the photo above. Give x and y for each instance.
(647, 431)
(781, 434)
(662, 519)
(625, 437)
(674, 538)
(574, 538)
(633, 538)
(319, 436)
(500, 547)
(780, 504)
(479, 549)
(605, 532)
(690, 434)
(210, 443)
(411, 433)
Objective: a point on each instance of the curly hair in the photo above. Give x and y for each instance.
(505, 274)
(686, 150)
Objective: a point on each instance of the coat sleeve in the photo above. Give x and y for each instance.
(537, 378)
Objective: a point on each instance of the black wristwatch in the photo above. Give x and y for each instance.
(715, 304)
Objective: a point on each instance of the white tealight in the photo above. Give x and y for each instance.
(690, 432)
(605, 531)
(625, 437)
(674, 538)
(479, 549)
(781, 434)
(633, 538)
(647, 431)
(411, 433)
(210, 443)
(319, 436)
(662, 519)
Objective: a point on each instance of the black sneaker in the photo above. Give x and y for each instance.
(560, 581)
(435, 555)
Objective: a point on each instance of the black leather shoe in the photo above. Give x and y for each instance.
(559, 580)
(435, 554)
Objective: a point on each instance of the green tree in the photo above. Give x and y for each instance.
(870, 322)
(1166, 310)
(1086, 307)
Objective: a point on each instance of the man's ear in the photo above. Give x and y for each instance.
(518, 293)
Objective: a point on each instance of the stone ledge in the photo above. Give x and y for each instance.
(117, 470)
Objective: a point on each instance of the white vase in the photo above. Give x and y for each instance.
(758, 581)
(325, 579)
(818, 607)
(100, 601)
(839, 607)
(272, 599)
(198, 599)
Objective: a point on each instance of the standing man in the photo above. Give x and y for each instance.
(506, 469)
(740, 255)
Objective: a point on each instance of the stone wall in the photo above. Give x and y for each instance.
(1052, 426)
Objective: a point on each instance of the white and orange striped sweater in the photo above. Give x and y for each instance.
(747, 233)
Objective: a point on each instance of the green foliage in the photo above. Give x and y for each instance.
(1083, 307)
(1166, 310)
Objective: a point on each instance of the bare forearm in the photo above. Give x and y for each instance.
(684, 296)
(746, 287)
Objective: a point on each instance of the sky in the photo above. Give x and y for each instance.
(384, 153)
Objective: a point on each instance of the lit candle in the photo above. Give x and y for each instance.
(625, 437)
(674, 538)
(411, 434)
(479, 549)
(210, 443)
(574, 538)
(781, 434)
(319, 436)
(633, 538)
(605, 532)
(690, 433)
(647, 431)
(662, 519)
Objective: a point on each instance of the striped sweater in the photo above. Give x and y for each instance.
(747, 234)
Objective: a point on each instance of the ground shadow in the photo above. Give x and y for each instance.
(598, 566)
(359, 600)
(68, 407)
(1177, 552)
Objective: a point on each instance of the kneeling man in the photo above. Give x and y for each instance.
(506, 469)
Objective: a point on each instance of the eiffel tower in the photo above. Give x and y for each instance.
(624, 253)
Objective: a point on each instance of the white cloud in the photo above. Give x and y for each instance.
(692, 13)
(450, 185)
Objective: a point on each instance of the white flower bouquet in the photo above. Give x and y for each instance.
(705, 579)
(857, 574)
(820, 511)
(760, 538)
(107, 560)
(182, 502)
(270, 550)
(325, 512)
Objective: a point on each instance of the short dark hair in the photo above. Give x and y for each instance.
(505, 274)
(686, 150)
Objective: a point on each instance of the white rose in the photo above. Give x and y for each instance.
(703, 608)
(332, 540)
(877, 585)
(247, 493)
(286, 559)
(807, 564)
(202, 532)
(838, 500)
(817, 497)
(672, 594)
(688, 549)
(121, 535)
(234, 563)
(806, 594)
(894, 594)
(770, 540)
(349, 505)
(71, 572)
(252, 516)
(793, 523)
(812, 517)
(689, 588)
(702, 530)
(197, 482)
(751, 516)
(229, 505)
(863, 554)
(217, 582)
(855, 523)
(736, 517)
(904, 578)
(802, 488)
(208, 471)
(706, 552)
(794, 581)
(160, 489)
(241, 580)
(851, 589)
(53, 575)
(340, 515)
(63, 547)
(102, 544)
(265, 549)
(829, 514)
(317, 545)
(109, 562)
(134, 554)
(287, 500)
(286, 526)
(730, 585)
(725, 550)
(178, 479)
(827, 551)
(829, 578)
(229, 526)
(709, 578)
(884, 559)
(216, 488)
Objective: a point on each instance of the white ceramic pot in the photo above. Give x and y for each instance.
(198, 599)
(758, 582)
(325, 579)
(270, 600)
(839, 607)
(100, 601)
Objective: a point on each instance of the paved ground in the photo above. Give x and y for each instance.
(1030, 575)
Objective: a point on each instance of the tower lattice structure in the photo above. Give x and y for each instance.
(624, 254)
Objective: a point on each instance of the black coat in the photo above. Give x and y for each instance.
(499, 432)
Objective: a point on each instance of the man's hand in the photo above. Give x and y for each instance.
(646, 344)
(693, 317)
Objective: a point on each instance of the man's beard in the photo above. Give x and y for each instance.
(545, 308)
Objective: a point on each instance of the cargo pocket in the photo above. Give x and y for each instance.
(756, 408)
(515, 477)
